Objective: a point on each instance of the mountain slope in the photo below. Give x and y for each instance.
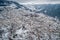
(19, 24)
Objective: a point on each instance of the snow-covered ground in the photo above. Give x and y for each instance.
(20, 24)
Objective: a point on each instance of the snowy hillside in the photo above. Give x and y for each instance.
(28, 22)
(19, 24)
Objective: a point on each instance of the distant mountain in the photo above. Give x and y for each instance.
(5, 3)
(9, 3)
(48, 9)
(14, 4)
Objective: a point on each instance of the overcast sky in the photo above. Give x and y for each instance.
(36, 1)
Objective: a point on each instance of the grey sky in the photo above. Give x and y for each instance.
(36, 1)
